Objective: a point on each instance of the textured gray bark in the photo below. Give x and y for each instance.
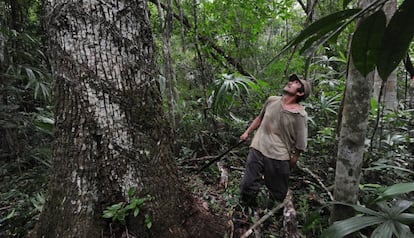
(352, 139)
(111, 134)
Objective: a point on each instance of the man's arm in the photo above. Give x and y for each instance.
(295, 158)
(255, 124)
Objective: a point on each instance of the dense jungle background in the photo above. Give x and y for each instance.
(216, 63)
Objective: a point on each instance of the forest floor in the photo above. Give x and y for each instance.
(310, 198)
(22, 191)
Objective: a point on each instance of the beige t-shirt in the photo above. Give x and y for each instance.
(280, 130)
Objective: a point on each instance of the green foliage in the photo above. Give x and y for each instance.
(369, 51)
(396, 189)
(231, 87)
(235, 20)
(9, 216)
(397, 38)
(389, 217)
(322, 30)
(38, 202)
(119, 211)
(27, 65)
(366, 42)
(345, 3)
(24, 148)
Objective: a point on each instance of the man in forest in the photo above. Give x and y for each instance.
(282, 127)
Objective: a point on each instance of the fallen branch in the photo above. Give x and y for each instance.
(264, 218)
(317, 178)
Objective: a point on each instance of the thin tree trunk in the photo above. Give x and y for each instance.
(181, 19)
(211, 43)
(111, 133)
(166, 21)
(352, 139)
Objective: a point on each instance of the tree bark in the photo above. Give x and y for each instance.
(351, 139)
(111, 132)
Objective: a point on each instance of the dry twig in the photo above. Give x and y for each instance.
(317, 178)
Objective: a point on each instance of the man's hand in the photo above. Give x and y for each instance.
(293, 161)
(255, 124)
(244, 136)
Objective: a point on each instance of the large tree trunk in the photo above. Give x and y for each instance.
(111, 133)
(351, 139)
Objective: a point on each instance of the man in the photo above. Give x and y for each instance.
(282, 127)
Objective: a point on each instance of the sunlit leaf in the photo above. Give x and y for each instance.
(11, 214)
(136, 212)
(345, 3)
(229, 87)
(366, 42)
(374, 106)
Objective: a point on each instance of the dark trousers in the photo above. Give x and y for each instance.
(276, 176)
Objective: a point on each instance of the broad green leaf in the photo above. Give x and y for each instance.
(325, 24)
(400, 206)
(380, 167)
(365, 210)
(107, 214)
(148, 221)
(366, 42)
(406, 218)
(320, 34)
(397, 189)
(130, 206)
(397, 38)
(383, 231)
(117, 206)
(345, 227)
(136, 212)
(361, 209)
(369, 186)
(138, 201)
(403, 231)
